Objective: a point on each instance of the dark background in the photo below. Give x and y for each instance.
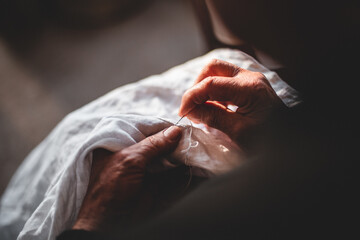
(56, 56)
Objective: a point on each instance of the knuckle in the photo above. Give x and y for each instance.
(214, 65)
(235, 70)
(208, 82)
(187, 95)
(259, 83)
(217, 67)
(152, 144)
(130, 161)
(214, 61)
(124, 153)
(209, 68)
(199, 93)
(120, 155)
(261, 91)
(260, 75)
(261, 78)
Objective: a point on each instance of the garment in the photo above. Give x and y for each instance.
(45, 194)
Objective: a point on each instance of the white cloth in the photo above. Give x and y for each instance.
(46, 192)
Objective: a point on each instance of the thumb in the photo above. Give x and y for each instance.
(155, 146)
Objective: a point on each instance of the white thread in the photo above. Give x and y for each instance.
(192, 144)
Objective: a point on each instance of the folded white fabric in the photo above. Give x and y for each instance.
(45, 194)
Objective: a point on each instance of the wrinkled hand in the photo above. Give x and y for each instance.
(116, 180)
(221, 84)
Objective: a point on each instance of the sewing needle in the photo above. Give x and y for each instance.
(184, 115)
(179, 120)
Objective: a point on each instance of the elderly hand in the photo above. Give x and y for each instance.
(116, 180)
(221, 84)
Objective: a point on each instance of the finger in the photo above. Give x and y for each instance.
(217, 116)
(223, 89)
(155, 146)
(224, 103)
(218, 68)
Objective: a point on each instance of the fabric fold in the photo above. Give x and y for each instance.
(46, 192)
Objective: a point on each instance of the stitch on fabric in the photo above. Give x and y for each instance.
(192, 144)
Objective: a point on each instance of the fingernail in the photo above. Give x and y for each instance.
(173, 132)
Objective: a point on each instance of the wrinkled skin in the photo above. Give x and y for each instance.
(117, 181)
(221, 83)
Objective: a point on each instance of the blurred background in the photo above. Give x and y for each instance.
(58, 55)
